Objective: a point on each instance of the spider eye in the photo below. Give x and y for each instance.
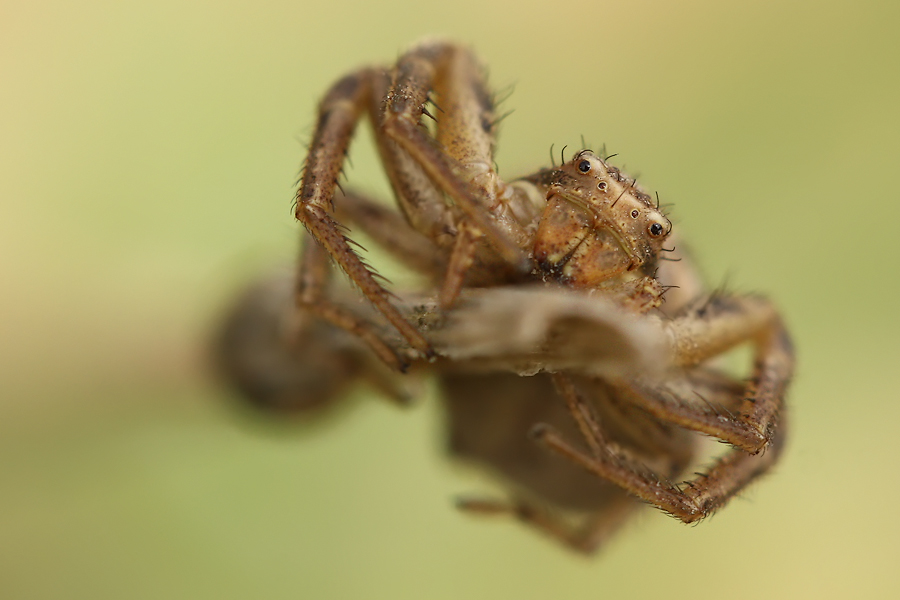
(656, 230)
(634, 215)
(584, 166)
(601, 185)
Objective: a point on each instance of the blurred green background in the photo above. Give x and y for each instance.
(147, 152)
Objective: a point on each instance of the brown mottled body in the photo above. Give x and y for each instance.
(593, 242)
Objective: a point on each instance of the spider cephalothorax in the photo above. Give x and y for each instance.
(596, 223)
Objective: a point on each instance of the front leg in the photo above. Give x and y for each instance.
(392, 233)
(339, 114)
(311, 296)
(461, 260)
(459, 161)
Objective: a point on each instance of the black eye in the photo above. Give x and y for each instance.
(584, 166)
(656, 229)
(634, 215)
(601, 185)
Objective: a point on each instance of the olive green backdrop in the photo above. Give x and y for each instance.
(147, 153)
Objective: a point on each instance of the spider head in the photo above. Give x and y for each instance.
(597, 223)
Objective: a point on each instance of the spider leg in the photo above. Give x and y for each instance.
(667, 454)
(652, 437)
(581, 411)
(461, 261)
(698, 498)
(391, 231)
(459, 159)
(423, 203)
(339, 113)
(678, 404)
(282, 360)
(718, 325)
(690, 501)
(615, 465)
(730, 473)
(311, 297)
(585, 538)
(526, 513)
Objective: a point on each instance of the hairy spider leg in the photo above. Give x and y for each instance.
(730, 320)
(464, 139)
(459, 158)
(719, 324)
(643, 436)
(390, 230)
(580, 527)
(311, 285)
(339, 113)
(461, 260)
(703, 494)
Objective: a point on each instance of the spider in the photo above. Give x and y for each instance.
(574, 254)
